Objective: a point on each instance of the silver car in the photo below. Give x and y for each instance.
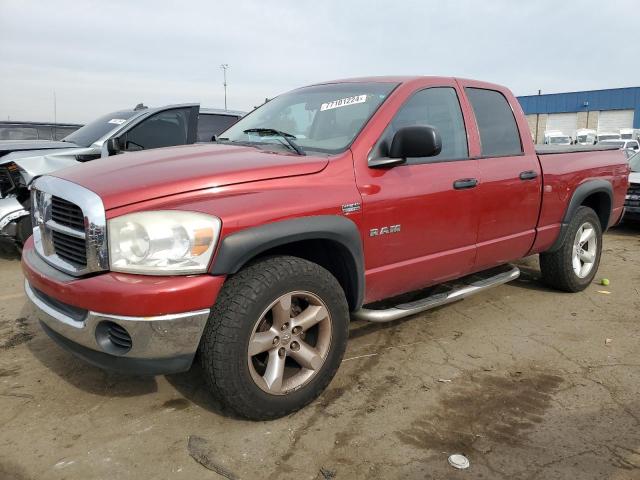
(140, 128)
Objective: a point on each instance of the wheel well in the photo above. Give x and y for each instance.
(600, 202)
(330, 255)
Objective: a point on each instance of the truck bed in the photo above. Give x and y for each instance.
(553, 149)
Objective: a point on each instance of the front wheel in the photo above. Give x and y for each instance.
(572, 267)
(275, 338)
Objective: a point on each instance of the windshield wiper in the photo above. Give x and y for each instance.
(287, 137)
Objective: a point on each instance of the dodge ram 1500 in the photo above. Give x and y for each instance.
(257, 250)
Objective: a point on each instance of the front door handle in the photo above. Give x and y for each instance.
(528, 175)
(465, 183)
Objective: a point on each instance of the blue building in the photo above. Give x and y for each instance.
(605, 111)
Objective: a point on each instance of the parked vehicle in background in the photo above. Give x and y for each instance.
(608, 136)
(623, 144)
(628, 134)
(323, 202)
(556, 137)
(36, 130)
(136, 129)
(585, 136)
(632, 200)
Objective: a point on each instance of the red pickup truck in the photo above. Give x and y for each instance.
(257, 250)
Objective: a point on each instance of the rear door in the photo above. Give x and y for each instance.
(166, 128)
(419, 228)
(510, 180)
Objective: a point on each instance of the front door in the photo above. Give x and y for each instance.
(420, 229)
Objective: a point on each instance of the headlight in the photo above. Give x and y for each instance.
(163, 242)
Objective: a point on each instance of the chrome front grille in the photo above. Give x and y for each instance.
(66, 213)
(71, 249)
(69, 226)
(633, 196)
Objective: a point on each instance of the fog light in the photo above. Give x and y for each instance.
(113, 338)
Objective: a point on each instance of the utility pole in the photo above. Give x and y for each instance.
(224, 68)
(55, 114)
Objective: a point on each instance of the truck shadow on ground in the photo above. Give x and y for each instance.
(193, 387)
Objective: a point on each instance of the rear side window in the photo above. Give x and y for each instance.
(210, 125)
(499, 134)
(437, 107)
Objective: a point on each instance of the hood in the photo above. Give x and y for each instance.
(135, 177)
(34, 163)
(7, 146)
(634, 177)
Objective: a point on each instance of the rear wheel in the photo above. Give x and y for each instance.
(275, 338)
(572, 267)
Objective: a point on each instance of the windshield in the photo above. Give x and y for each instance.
(635, 163)
(94, 131)
(321, 118)
(559, 140)
(608, 137)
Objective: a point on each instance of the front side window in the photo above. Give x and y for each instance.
(164, 129)
(499, 135)
(633, 145)
(320, 118)
(436, 107)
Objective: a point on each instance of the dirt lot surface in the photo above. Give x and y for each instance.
(521, 379)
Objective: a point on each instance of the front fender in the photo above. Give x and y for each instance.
(240, 247)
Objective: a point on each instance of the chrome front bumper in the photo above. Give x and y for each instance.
(159, 345)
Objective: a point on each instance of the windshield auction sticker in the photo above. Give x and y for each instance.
(343, 102)
(117, 121)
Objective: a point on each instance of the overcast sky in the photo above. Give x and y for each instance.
(101, 56)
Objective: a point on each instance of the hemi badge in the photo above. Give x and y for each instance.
(350, 207)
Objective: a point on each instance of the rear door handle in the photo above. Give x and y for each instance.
(465, 183)
(528, 175)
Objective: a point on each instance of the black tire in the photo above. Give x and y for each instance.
(240, 304)
(557, 268)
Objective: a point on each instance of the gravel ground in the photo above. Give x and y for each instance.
(527, 382)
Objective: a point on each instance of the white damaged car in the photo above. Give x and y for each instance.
(140, 128)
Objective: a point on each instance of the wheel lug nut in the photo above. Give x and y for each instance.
(295, 346)
(297, 330)
(276, 340)
(281, 352)
(285, 326)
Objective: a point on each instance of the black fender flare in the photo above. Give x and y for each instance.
(579, 195)
(240, 247)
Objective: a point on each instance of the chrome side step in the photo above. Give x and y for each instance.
(406, 309)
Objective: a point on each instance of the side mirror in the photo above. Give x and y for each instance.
(114, 145)
(416, 141)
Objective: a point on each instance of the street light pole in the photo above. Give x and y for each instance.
(224, 68)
